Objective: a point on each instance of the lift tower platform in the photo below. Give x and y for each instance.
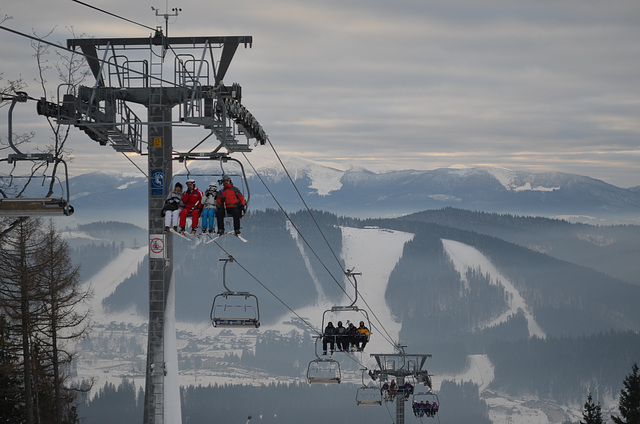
(400, 366)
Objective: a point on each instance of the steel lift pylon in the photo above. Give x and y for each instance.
(401, 365)
(133, 70)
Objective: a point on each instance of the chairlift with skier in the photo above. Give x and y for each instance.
(346, 315)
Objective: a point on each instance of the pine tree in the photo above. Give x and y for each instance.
(592, 413)
(629, 404)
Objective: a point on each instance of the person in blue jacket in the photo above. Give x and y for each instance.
(209, 207)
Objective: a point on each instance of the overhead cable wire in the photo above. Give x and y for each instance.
(325, 238)
(319, 334)
(295, 226)
(136, 165)
(384, 331)
(305, 205)
(389, 412)
(267, 289)
(390, 338)
(72, 51)
(271, 292)
(113, 14)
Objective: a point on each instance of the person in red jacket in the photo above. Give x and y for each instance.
(232, 201)
(192, 200)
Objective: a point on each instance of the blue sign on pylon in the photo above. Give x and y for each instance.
(157, 182)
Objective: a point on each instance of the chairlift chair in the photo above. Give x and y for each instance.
(424, 396)
(323, 370)
(235, 309)
(368, 395)
(235, 174)
(350, 313)
(32, 206)
(326, 371)
(35, 206)
(232, 308)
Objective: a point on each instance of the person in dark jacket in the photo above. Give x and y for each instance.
(329, 337)
(352, 337)
(342, 338)
(172, 208)
(231, 201)
(362, 336)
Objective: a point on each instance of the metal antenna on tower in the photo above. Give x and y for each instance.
(166, 15)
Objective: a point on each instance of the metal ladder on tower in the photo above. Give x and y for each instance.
(156, 62)
(157, 287)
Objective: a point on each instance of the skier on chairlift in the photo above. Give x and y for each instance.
(209, 206)
(192, 199)
(231, 201)
(172, 208)
(362, 336)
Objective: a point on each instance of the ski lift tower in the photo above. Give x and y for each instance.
(132, 70)
(399, 366)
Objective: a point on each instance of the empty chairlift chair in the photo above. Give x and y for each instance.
(368, 395)
(323, 370)
(32, 206)
(234, 309)
(326, 371)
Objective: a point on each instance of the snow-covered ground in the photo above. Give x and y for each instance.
(105, 282)
(372, 251)
(375, 263)
(467, 257)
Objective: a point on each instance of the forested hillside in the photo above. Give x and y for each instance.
(271, 256)
(583, 312)
(562, 368)
(278, 403)
(610, 249)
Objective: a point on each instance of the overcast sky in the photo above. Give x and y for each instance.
(527, 85)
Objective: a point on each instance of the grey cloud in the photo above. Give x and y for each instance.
(414, 82)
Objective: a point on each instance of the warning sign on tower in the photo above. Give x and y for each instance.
(156, 246)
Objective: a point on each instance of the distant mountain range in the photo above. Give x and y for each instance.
(362, 193)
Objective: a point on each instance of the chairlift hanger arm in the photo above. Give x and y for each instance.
(349, 274)
(19, 97)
